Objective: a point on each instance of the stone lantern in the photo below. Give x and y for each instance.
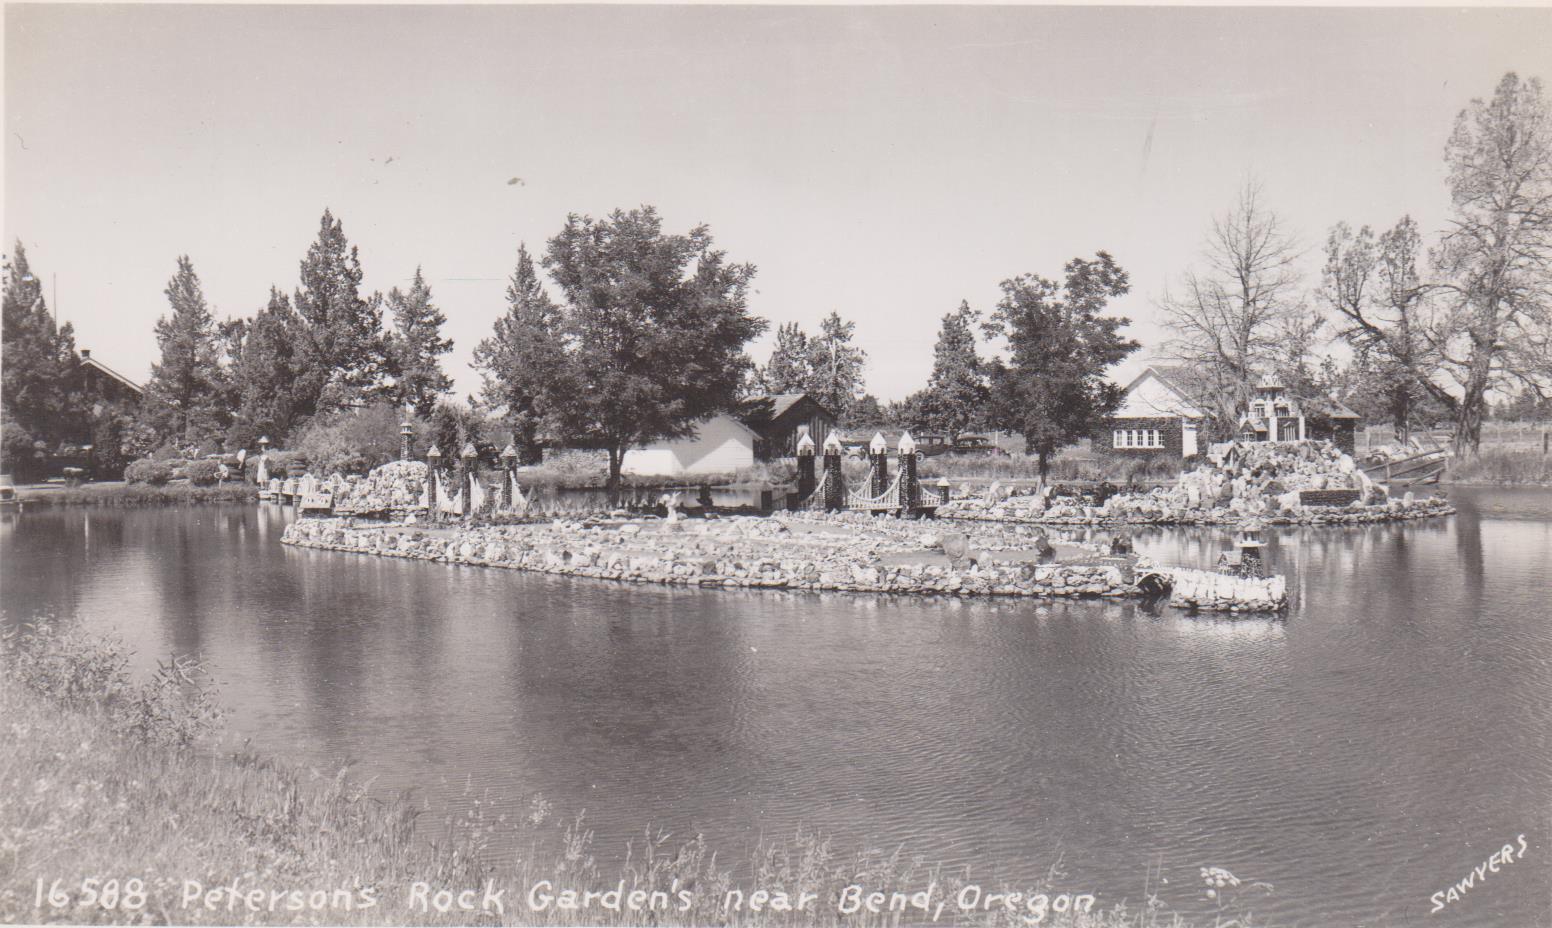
(1248, 558)
(509, 474)
(406, 433)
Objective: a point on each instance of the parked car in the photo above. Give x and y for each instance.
(977, 444)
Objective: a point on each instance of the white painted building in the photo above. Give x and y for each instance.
(721, 445)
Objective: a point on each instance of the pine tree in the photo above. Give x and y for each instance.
(415, 347)
(522, 356)
(957, 395)
(267, 367)
(183, 400)
(37, 361)
(835, 366)
(788, 370)
(343, 355)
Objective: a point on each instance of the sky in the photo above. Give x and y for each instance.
(883, 162)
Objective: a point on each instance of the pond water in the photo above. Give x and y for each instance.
(1360, 754)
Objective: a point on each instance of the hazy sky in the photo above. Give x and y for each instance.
(883, 162)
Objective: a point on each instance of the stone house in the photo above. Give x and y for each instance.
(1275, 415)
(1155, 418)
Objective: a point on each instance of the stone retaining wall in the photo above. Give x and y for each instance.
(977, 510)
(739, 553)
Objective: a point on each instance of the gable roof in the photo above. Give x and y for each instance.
(1151, 372)
(768, 407)
(89, 361)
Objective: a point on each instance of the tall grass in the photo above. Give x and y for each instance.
(89, 793)
(981, 466)
(1504, 467)
(140, 494)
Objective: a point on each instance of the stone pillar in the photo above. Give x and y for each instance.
(509, 474)
(835, 480)
(433, 462)
(406, 433)
(943, 491)
(806, 477)
(910, 490)
(878, 456)
(467, 473)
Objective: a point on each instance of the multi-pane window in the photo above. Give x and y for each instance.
(1138, 438)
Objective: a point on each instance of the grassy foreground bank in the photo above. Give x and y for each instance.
(118, 798)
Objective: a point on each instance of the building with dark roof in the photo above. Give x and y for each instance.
(101, 386)
(780, 419)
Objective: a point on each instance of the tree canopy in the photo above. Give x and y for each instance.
(415, 348)
(343, 353)
(184, 399)
(957, 396)
(828, 367)
(522, 356)
(647, 340)
(37, 357)
(1052, 387)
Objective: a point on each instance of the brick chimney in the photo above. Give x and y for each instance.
(86, 353)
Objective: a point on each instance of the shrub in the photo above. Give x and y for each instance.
(19, 452)
(353, 441)
(77, 670)
(285, 464)
(203, 473)
(155, 473)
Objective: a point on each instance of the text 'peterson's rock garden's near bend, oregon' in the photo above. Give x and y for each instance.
(748, 465)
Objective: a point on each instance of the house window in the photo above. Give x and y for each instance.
(1137, 438)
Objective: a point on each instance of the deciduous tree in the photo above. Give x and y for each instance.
(1052, 387)
(1228, 320)
(1494, 263)
(653, 328)
(1381, 301)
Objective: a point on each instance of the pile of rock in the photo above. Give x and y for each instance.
(1212, 591)
(398, 485)
(1275, 482)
